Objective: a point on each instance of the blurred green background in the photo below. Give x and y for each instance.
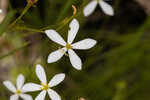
(117, 68)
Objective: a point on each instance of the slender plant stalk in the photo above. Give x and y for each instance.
(29, 29)
(42, 30)
(65, 23)
(22, 14)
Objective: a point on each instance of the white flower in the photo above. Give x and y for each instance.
(1, 10)
(106, 8)
(17, 91)
(82, 45)
(44, 87)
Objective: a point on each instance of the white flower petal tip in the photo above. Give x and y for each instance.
(74, 21)
(58, 78)
(56, 55)
(89, 9)
(40, 72)
(10, 86)
(84, 44)
(78, 68)
(53, 95)
(1, 11)
(14, 97)
(107, 9)
(41, 96)
(26, 97)
(74, 27)
(54, 36)
(75, 60)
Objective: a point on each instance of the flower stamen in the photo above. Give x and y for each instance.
(18, 92)
(68, 46)
(44, 86)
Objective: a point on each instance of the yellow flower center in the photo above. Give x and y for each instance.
(44, 87)
(68, 46)
(18, 92)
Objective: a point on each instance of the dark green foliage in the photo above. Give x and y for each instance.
(117, 68)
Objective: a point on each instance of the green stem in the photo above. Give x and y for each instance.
(42, 30)
(64, 11)
(22, 14)
(30, 29)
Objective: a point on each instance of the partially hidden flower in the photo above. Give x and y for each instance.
(17, 91)
(106, 8)
(68, 46)
(44, 87)
(1, 11)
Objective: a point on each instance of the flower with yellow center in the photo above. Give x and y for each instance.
(68, 46)
(44, 87)
(106, 8)
(19, 90)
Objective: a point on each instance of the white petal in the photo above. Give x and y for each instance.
(53, 95)
(74, 27)
(14, 97)
(75, 60)
(54, 36)
(20, 81)
(1, 10)
(56, 79)
(84, 44)
(10, 86)
(26, 97)
(89, 9)
(56, 55)
(41, 73)
(107, 9)
(29, 87)
(41, 96)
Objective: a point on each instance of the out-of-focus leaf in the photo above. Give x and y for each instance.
(5, 24)
(13, 51)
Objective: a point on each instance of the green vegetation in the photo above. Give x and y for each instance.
(117, 68)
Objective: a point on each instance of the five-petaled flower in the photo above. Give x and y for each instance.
(82, 45)
(19, 90)
(106, 8)
(44, 87)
